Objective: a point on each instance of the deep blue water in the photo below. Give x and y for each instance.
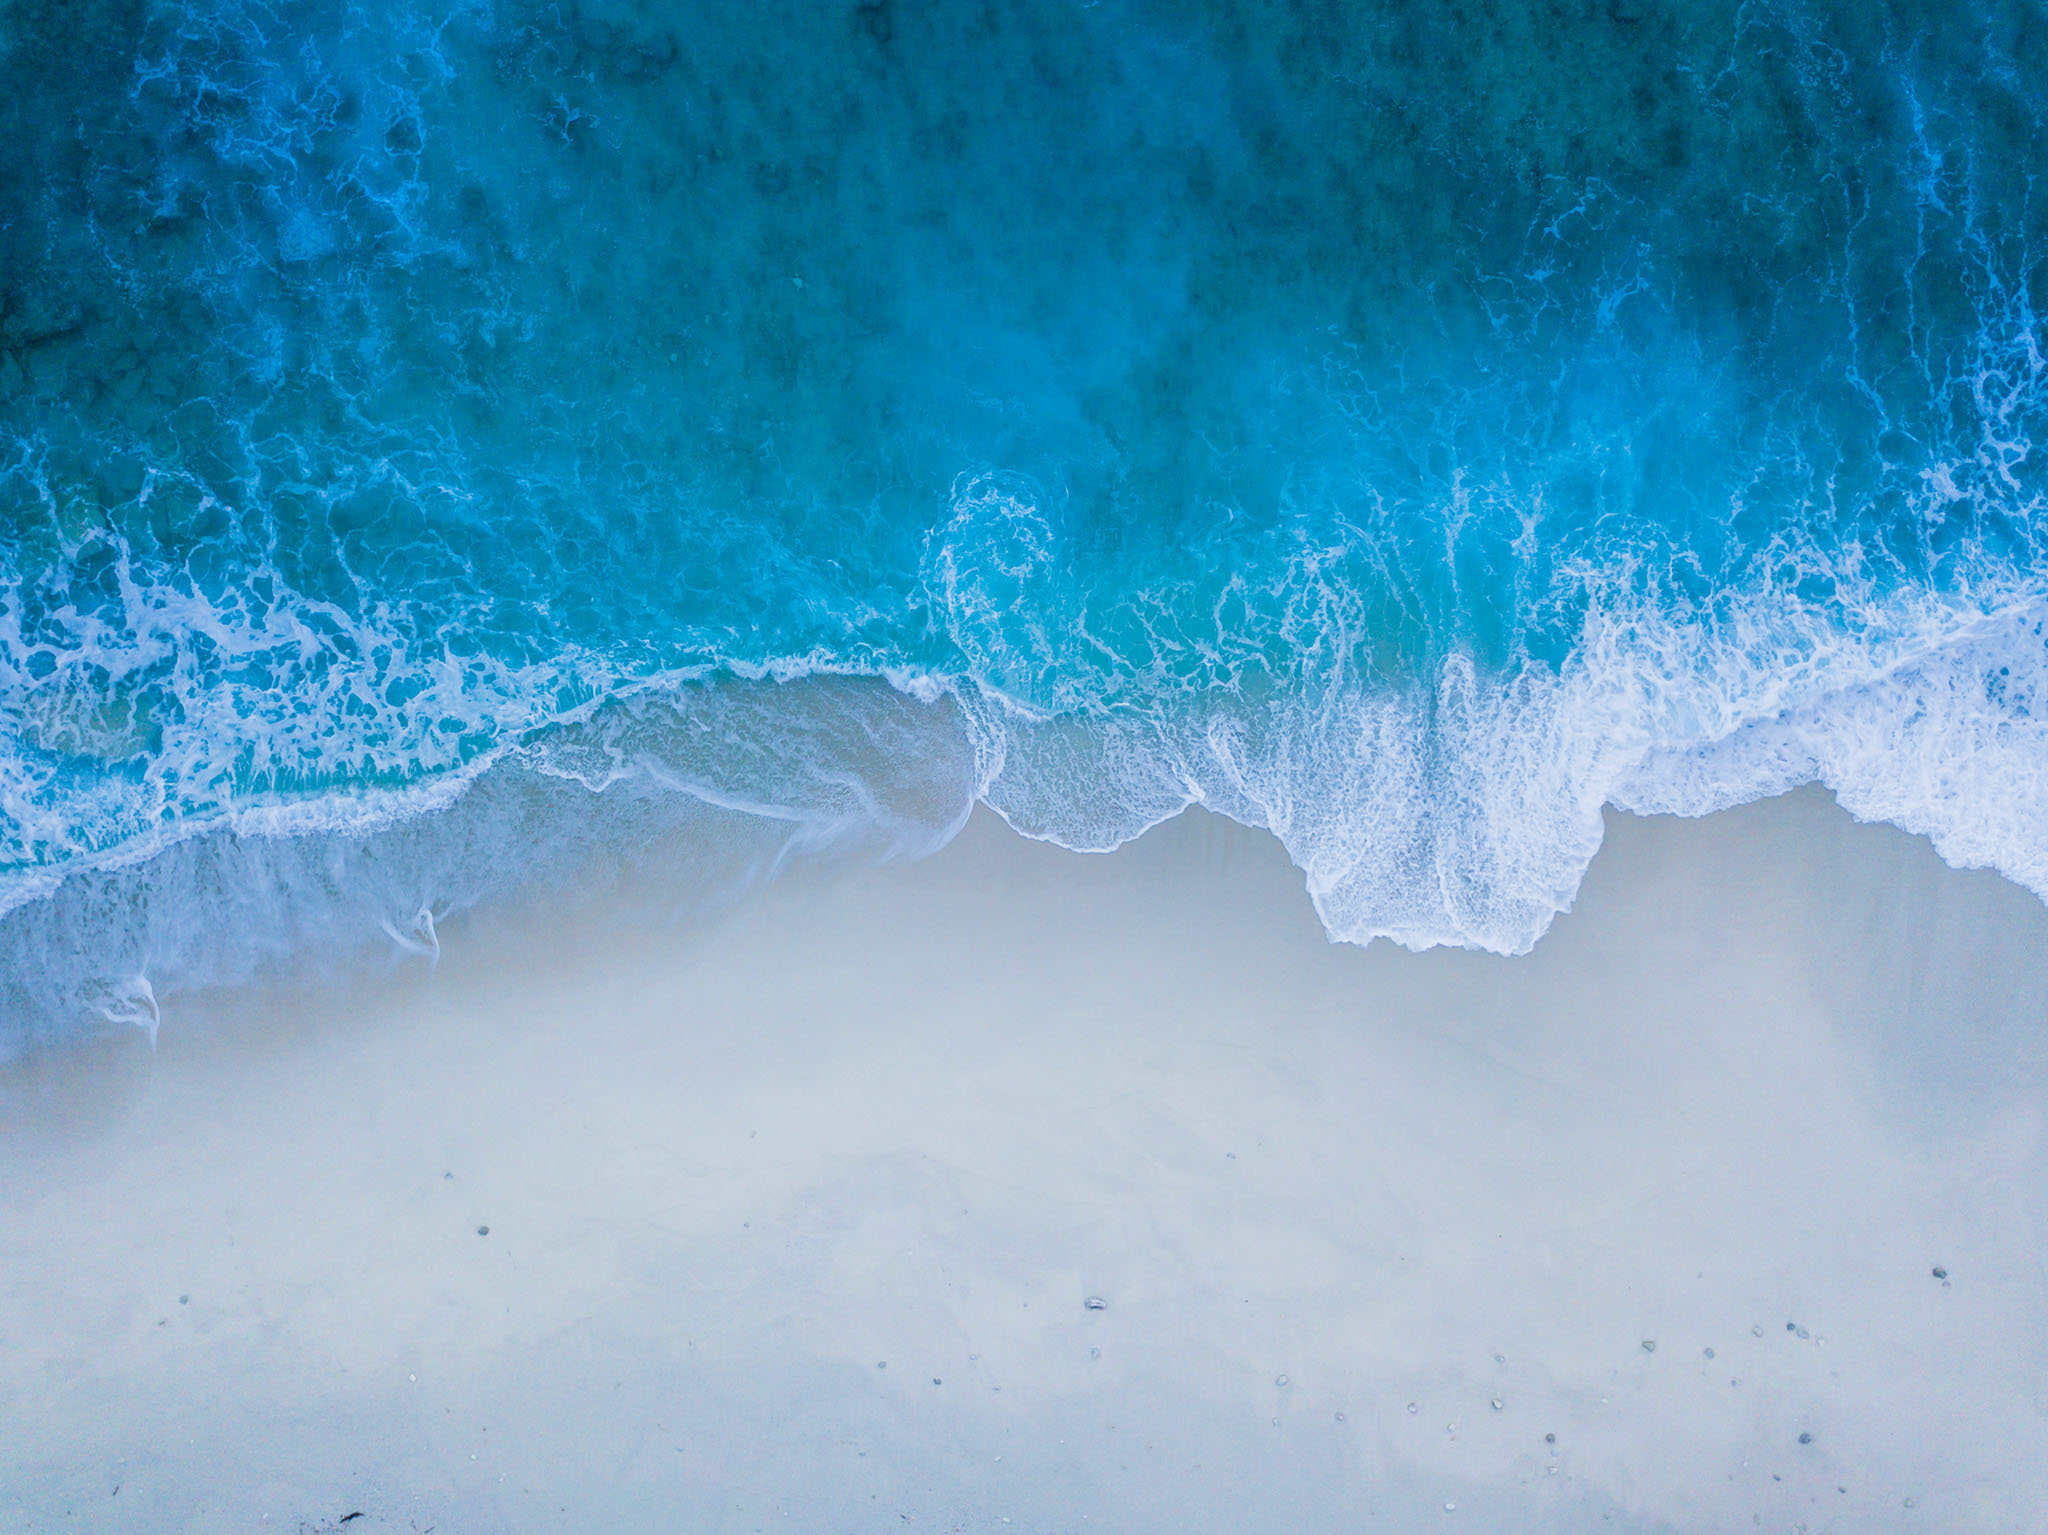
(447, 444)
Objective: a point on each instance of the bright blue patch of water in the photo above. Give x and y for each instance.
(1405, 426)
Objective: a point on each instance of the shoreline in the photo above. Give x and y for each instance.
(1771, 1070)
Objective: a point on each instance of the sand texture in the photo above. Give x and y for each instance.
(800, 1221)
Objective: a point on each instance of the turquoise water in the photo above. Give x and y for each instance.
(440, 442)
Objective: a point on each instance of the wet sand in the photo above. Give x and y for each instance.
(796, 1222)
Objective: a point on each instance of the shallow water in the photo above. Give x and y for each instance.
(1403, 426)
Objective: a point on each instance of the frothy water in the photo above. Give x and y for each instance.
(444, 446)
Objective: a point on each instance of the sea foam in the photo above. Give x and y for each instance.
(451, 454)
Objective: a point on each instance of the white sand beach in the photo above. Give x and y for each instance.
(1019, 1190)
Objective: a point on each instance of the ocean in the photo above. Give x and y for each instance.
(451, 452)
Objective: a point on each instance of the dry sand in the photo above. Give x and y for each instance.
(1367, 1227)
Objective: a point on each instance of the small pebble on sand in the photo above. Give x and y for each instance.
(483, 1231)
(1649, 1345)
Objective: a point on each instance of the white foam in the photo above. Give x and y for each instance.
(1461, 809)
(1467, 815)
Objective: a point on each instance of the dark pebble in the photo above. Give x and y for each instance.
(1940, 1272)
(1806, 1439)
(483, 1231)
(184, 1300)
(1550, 1439)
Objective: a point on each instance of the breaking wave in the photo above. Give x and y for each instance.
(460, 452)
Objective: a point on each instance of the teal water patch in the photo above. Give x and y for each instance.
(1407, 427)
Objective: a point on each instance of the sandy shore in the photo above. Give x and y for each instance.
(800, 1223)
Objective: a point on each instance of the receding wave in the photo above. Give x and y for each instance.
(452, 454)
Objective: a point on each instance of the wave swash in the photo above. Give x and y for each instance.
(451, 449)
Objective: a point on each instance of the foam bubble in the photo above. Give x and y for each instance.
(1583, 454)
